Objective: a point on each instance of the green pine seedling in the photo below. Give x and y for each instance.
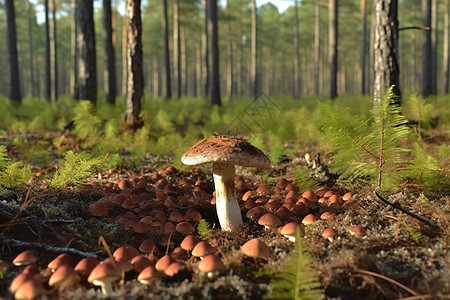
(367, 148)
(12, 173)
(203, 229)
(87, 123)
(76, 168)
(296, 279)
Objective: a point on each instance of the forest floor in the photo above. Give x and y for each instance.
(398, 257)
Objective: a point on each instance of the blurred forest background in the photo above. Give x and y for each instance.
(292, 47)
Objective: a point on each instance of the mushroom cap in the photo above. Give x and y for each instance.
(64, 273)
(357, 230)
(104, 272)
(226, 149)
(256, 248)
(148, 275)
(29, 290)
(86, 265)
(202, 249)
(26, 257)
(211, 263)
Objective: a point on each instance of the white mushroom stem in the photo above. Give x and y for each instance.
(106, 287)
(227, 207)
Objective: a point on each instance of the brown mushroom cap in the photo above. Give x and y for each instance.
(202, 249)
(357, 230)
(148, 275)
(226, 149)
(211, 263)
(29, 290)
(329, 233)
(64, 274)
(26, 257)
(256, 248)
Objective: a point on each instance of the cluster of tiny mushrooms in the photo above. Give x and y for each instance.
(224, 153)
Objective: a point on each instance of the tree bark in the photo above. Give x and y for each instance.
(434, 42)
(109, 71)
(48, 78)
(316, 47)
(165, 30)
(87, 69)
(183, 62)
(333, 46)
(427, 73)
(53, 53)
(30, 50)
(386, 69)
(14, 80)
(205, 49)
(254, 52)
(363, 47)
(229, 54)
(73, 52)
(135, 65)
(296, 83)
(213, 46)
(176, 50)
(125, 54)
(446, 51)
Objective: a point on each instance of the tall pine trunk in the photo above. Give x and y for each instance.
(363, 47)
(427, 70)
(87, 69)
(125, 54)
(176, 49)
(48, 78)
(254, 52)
(53, 53)
(73, 52)
(229, 54)
(316, 47)
(109, 59)
(386, 66)
(14, 80)
(30, 50)
(446, 51)
(333, 45)
(296, 57)
(213, 44)
(135, 65)
(434, 42)
(205, 49)
(165, 30)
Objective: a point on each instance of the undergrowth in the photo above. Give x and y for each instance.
(295, 279)
(12, 173)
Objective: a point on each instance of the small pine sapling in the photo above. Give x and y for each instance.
(87, 123)
(203, 229)
(367, 148)
(12, 173)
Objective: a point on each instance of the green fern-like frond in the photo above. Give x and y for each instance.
(87, 124)
(297, 279)
(366, 148)
(419, 110)
(12, 173)
(4, 160)
(418, 237)
(76, 168)
(203, 229)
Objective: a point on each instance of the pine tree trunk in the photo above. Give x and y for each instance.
(176, 50)
(14, 83)
(53, 53)
(183, 61)
(109, 71)
(87, 69)
(427, 72)
(333, 46)
(296, 82)
(316, 47)
(125, 53)
(48, 78)
(165, 30)
(363, 47)
(229, 54)
(135, 65)
(254, 53)
(446, 51)
(205, 49)
(434, 42)
(30, 50)
(213, 48)
(386, 67)
(73, 52)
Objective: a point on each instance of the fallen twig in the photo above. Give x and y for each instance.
(408, 212)
(389, 280)
(46, 248)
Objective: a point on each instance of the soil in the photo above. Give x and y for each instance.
(398, 257)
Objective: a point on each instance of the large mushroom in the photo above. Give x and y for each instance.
(224, 152)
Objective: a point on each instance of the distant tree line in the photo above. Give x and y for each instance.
(198, 48)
